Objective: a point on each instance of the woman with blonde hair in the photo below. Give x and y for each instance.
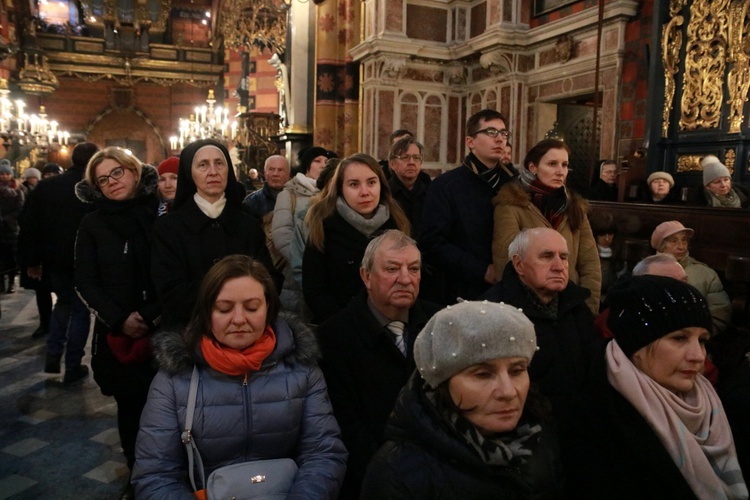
(354, 205)
(113, 278)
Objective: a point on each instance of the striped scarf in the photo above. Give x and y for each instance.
(552, 202)
(492, 176)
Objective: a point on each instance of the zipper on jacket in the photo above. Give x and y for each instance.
(125, 250)
(244, 382)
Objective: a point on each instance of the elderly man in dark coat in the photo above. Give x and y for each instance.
(536, 280)
(367, 348)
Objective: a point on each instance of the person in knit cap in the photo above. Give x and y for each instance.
(292, 201)
(167, 182)
(31, 177)
(650, 424)
(673, 238)
(466, 424)
(658, 189)
(718, 190)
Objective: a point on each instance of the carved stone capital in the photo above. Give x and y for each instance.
(392, 68)
(456, 75)
(497, 62)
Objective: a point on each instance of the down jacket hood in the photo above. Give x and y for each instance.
(148, 184)
(295, 343)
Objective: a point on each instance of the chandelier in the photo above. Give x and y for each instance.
(36, 130)
(259, 23)
(208, 122)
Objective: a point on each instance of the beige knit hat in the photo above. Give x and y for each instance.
(713, 169)
(661, 175)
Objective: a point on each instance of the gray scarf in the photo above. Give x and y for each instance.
(731, 200)
(364, 226)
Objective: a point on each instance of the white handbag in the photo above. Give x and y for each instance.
(258, 480)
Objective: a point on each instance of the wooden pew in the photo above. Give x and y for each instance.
(719, 232)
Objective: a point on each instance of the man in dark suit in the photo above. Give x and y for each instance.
(367, 348)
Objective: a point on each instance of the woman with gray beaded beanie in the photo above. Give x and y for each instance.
(466, 425)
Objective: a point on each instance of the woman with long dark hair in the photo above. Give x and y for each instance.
(354, 205)
(541, 199)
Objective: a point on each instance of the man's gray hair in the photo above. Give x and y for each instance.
(398, 238)
(275, 157)
(641, 269)
(520, 244)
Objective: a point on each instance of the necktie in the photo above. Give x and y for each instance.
(397, 329)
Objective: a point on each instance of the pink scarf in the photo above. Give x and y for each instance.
(692, 427)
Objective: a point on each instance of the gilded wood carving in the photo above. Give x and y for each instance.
(671, 44)
(705, 62)
(738, 79)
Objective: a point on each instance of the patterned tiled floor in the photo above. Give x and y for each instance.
(56, 441)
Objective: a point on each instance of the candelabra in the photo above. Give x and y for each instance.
(36, 130)
(208, 122)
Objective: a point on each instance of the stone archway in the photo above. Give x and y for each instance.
(128, 127)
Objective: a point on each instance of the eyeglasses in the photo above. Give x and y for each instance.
(116, 173)
(416, 158)
(493, 132)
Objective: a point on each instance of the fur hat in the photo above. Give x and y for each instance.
(169, 166)
(665, 230)
(661, 175)
(469, 333)
(32, 172)
(713, 169)
(645, 308)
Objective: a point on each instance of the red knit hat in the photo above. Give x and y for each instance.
(169, 166)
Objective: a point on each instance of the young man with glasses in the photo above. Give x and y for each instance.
(456, 233)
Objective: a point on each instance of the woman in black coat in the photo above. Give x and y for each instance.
(205, 223)
(650, 426)
(354, 205)
(466, 425)
(112, 277)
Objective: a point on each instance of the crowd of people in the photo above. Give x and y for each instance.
(396, 336)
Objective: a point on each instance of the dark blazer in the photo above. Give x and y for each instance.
(611, 452)
(187, 243)
(456, 235)
(365, 372)
(565, 343)
(330, 278)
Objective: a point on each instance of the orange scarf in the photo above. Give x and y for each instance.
(235, 362)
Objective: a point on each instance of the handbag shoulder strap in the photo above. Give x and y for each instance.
(194, 456)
